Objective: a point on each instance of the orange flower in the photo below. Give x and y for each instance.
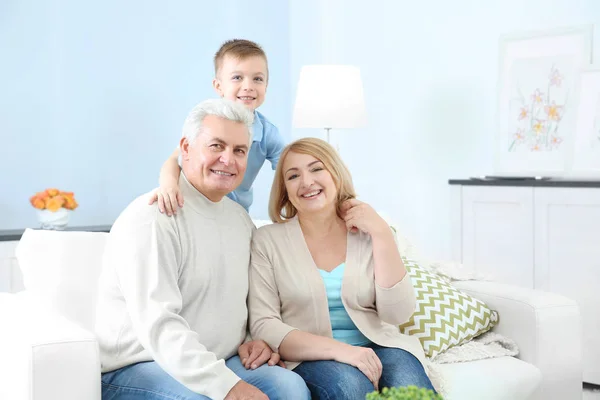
(519, 135)
(53, 199)
(537, 96)
(523, 113)
(37, 202)
(538, 127)
(555, 141)
(70, 203)
(54, 203)
(553, 111)
(555, 77)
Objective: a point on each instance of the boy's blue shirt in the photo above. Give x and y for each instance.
(267, 144)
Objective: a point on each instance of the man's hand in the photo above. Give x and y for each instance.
(257, 352)
(245, 391)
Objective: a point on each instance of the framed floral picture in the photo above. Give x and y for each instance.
(586, 147)
(538, 79)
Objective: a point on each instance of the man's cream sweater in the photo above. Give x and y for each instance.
(173, 290)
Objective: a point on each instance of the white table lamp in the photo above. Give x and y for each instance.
(329, 96)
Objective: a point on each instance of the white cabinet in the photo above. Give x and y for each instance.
(567, 258)
(10, 274)
(540, 237)
(498, 233)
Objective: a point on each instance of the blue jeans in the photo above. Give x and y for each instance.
(332, 380)
(148, 381)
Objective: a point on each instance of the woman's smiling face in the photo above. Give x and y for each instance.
(310, 187)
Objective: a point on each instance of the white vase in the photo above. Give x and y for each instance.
(57, 220)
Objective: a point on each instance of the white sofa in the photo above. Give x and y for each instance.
(47, 350)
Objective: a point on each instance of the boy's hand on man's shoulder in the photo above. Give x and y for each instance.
(257, 352)
(169, 199)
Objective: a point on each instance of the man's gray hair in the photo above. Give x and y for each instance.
(221, 108)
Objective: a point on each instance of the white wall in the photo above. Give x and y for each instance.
(429, 71)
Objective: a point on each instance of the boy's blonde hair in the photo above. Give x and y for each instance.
(280, 206)
(240, 49)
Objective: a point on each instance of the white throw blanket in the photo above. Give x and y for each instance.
(487, 345)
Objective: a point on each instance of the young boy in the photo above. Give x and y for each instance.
(241, 75)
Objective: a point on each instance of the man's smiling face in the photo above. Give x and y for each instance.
(216, 161)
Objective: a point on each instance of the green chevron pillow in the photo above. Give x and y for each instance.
(445, 317)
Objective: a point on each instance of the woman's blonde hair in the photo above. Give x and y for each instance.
(280, 206)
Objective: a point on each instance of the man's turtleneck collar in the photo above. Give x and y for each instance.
(197, 201)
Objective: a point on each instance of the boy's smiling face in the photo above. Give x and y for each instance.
(242, 80)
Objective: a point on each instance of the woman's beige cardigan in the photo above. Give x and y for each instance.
(287, 292)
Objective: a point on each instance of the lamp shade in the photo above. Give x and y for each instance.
(329, 96)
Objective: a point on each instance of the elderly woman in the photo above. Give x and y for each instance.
(327, 285)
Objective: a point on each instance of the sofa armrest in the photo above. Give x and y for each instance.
(44, 356)
(547, 329)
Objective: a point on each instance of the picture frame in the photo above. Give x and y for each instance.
(537, 102)
(586, 144)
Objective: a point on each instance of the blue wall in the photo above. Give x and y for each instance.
(93, 94)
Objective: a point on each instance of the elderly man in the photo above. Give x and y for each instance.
(172, 303)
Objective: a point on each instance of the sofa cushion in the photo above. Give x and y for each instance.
(504, 378)
(44, 356)
(61, 269)
(444, 316)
